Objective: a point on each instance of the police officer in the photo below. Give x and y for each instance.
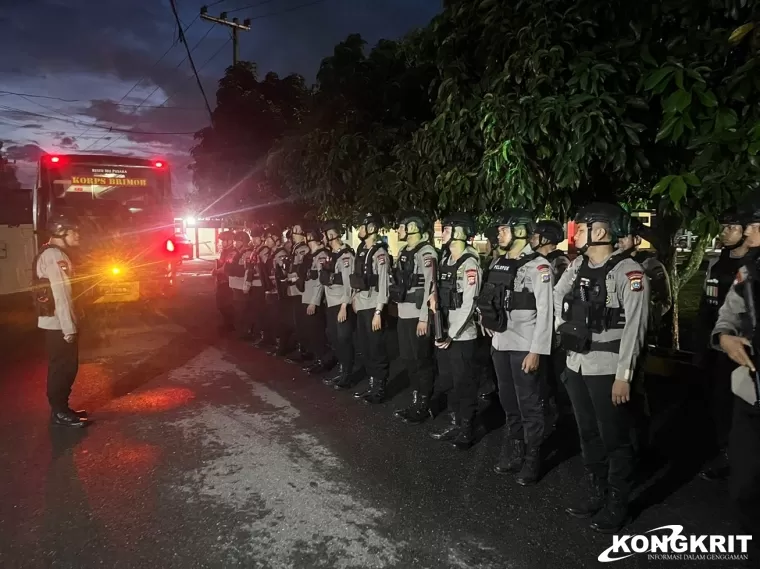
(280, 311)
(516, 308)
(413, 279)
(547, 235)
(601, 304)
(335, 276)
(721, 272)
(299, 266)
(263, 281)
(52, 273)
(736, 335)
(456, 333)
(223, 291)
(235, 269)
(370, 279)
(312, 308)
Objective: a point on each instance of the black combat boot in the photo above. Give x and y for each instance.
(68, 418)
(531, 468)
(595, 498)
(449, 432)
(717, 469)
(377, 393)
(404, 412)
(300, 356)
(258, 340)
(466, 436)
(330, 381)
(81, 413)
(362, 393)
(343, 381)
(511, 457)
(614, 515)
(421, 413)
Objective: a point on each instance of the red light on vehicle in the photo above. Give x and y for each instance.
(55, 159)
(158, 164)
(170, 245)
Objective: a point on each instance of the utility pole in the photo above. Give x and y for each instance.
(235, 25)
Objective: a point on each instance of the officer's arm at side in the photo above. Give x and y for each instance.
(633, 294)
(428, 273)
(61, 287)
(382, 261)
(543, 334)
(730, 313)
(346, 262)
(472, 277)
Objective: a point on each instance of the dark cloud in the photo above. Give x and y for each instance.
(68, 142)
(32, 125)
(24, 153)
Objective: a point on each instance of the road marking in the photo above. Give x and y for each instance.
(294, 492)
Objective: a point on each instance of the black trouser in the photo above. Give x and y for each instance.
(259, 314)
(374, 350)
(520, 396)
(224, 303)
(456, 365)
(486, 373)
(286, 325)
(312, 329)
(604, 429)
(555, 367)
(416, 353)
(341, 335)
(242, 307)
(63, 365)
(720, 397)
(744, 482)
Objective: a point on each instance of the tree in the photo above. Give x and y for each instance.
(8, 180)
(230, 154)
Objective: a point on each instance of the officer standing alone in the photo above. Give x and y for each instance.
(516, 308)
(52, 276)
(335, 276)
(413, 279)
(736, 333)
(457, 288)
(370, 280)
(602, 305)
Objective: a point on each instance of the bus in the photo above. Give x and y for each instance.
(123, 207)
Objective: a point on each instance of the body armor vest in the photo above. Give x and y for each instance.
(301, 269)
(42, 293)
(448, 296)
(234, 268)
(722, 275)
(328, 276)
(364, 278)
(308, 260)
(585, 310)
(556, 254)
(279, 269)
(498, 296)
(405, 279)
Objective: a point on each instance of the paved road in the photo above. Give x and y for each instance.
(207, 453)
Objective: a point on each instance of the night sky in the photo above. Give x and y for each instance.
(86, 59)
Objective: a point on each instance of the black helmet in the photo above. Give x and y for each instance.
(371, 218)
(242, 236)
(59, 224)
(734, 216)
(751, 210)
(312, 230)
(515, 217)
(332, 225)
(608, 213)
(301, 225)
(226, 236)
(415, 216)
(463, 220)
(550, 231)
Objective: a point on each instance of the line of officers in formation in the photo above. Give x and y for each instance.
(544, 318)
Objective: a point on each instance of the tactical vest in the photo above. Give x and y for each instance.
(301, 269)
(498, 296)
(448, 296)
(42, 293)
(278, 271)
(234, 268)
(328, 276)
(585, 310)
(722, 275)
(262, 267)
(556, 254)
(405, 279)
(364, 278)
(308, 260)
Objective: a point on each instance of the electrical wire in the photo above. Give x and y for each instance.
(256, 5)
(287, 10)
(49, 97)
(190, 57)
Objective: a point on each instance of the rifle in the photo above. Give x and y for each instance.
(749, 300)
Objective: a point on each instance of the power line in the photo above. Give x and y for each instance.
(256, 5)
(190, 57)
(287, 10)
(25, 95)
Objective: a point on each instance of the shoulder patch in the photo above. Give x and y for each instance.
(739, 278)
(64, 266)
(635, 280)
(472, 276)
(542, 268)
(346, 261)
(546, 277)
(428, 260)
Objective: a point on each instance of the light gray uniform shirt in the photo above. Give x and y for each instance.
(313, 290)
(462, 325)
(530, 330)
(299, 252)
(376, 297)
(627, 287)
(55, 266)
(425, 261)
(341, 293)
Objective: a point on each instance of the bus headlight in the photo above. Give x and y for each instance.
(115, 271)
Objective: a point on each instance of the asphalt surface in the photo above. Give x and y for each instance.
(208, 453)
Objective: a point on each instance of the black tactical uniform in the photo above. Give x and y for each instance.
(300, 255)
(223, 291)
(603, 310)
(457, 288)
(52, 274)
(413, 280)
(370, 280)
(721, 272)
(280, 309)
